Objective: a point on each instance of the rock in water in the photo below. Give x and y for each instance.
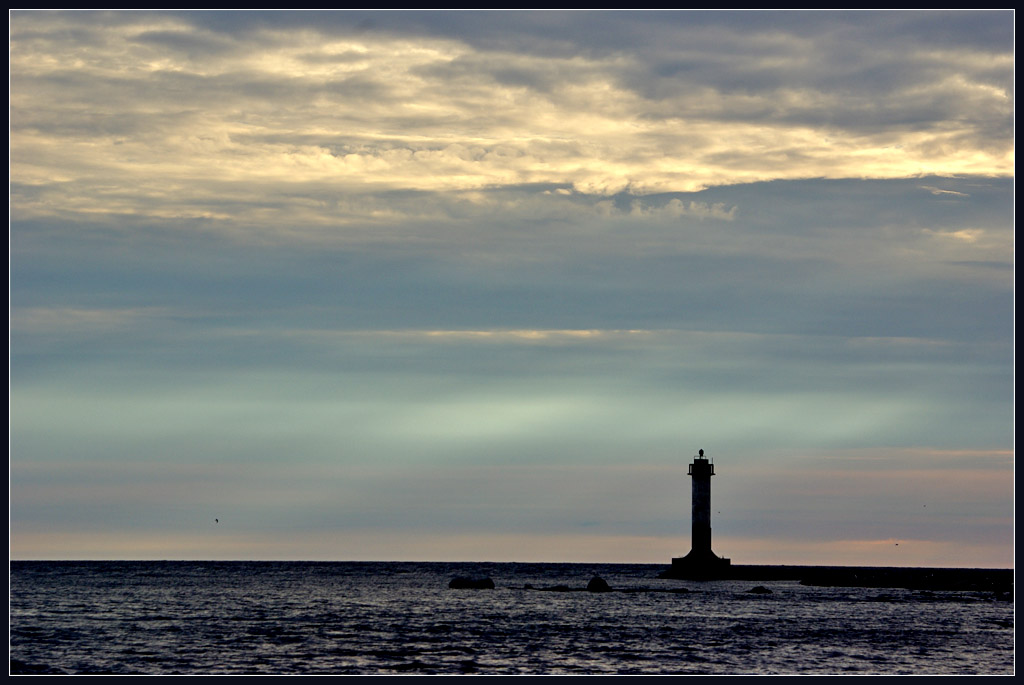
(760, 590)
(598, 584)
(462, 583)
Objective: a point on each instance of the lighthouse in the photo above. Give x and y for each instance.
(701, 562)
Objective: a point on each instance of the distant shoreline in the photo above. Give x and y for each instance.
(967, 579)
(998, 580)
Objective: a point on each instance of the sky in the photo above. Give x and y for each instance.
(477, 286)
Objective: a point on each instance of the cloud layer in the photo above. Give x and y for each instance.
(251, 120)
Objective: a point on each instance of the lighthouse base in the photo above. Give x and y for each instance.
(704, 565)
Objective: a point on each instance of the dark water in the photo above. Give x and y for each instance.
(307, 617)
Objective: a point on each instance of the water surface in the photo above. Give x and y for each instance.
(397, 617)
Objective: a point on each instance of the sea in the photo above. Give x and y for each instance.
(180, 617)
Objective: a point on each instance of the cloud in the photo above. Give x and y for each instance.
(675, 208)
(175, 116)
(964, 235)
(65, 319)
(939, 191)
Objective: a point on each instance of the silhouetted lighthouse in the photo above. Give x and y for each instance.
(701, 562)
(701, 471)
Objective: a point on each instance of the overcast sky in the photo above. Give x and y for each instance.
(477, 286)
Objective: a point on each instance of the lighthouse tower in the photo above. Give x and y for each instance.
(701, 562)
